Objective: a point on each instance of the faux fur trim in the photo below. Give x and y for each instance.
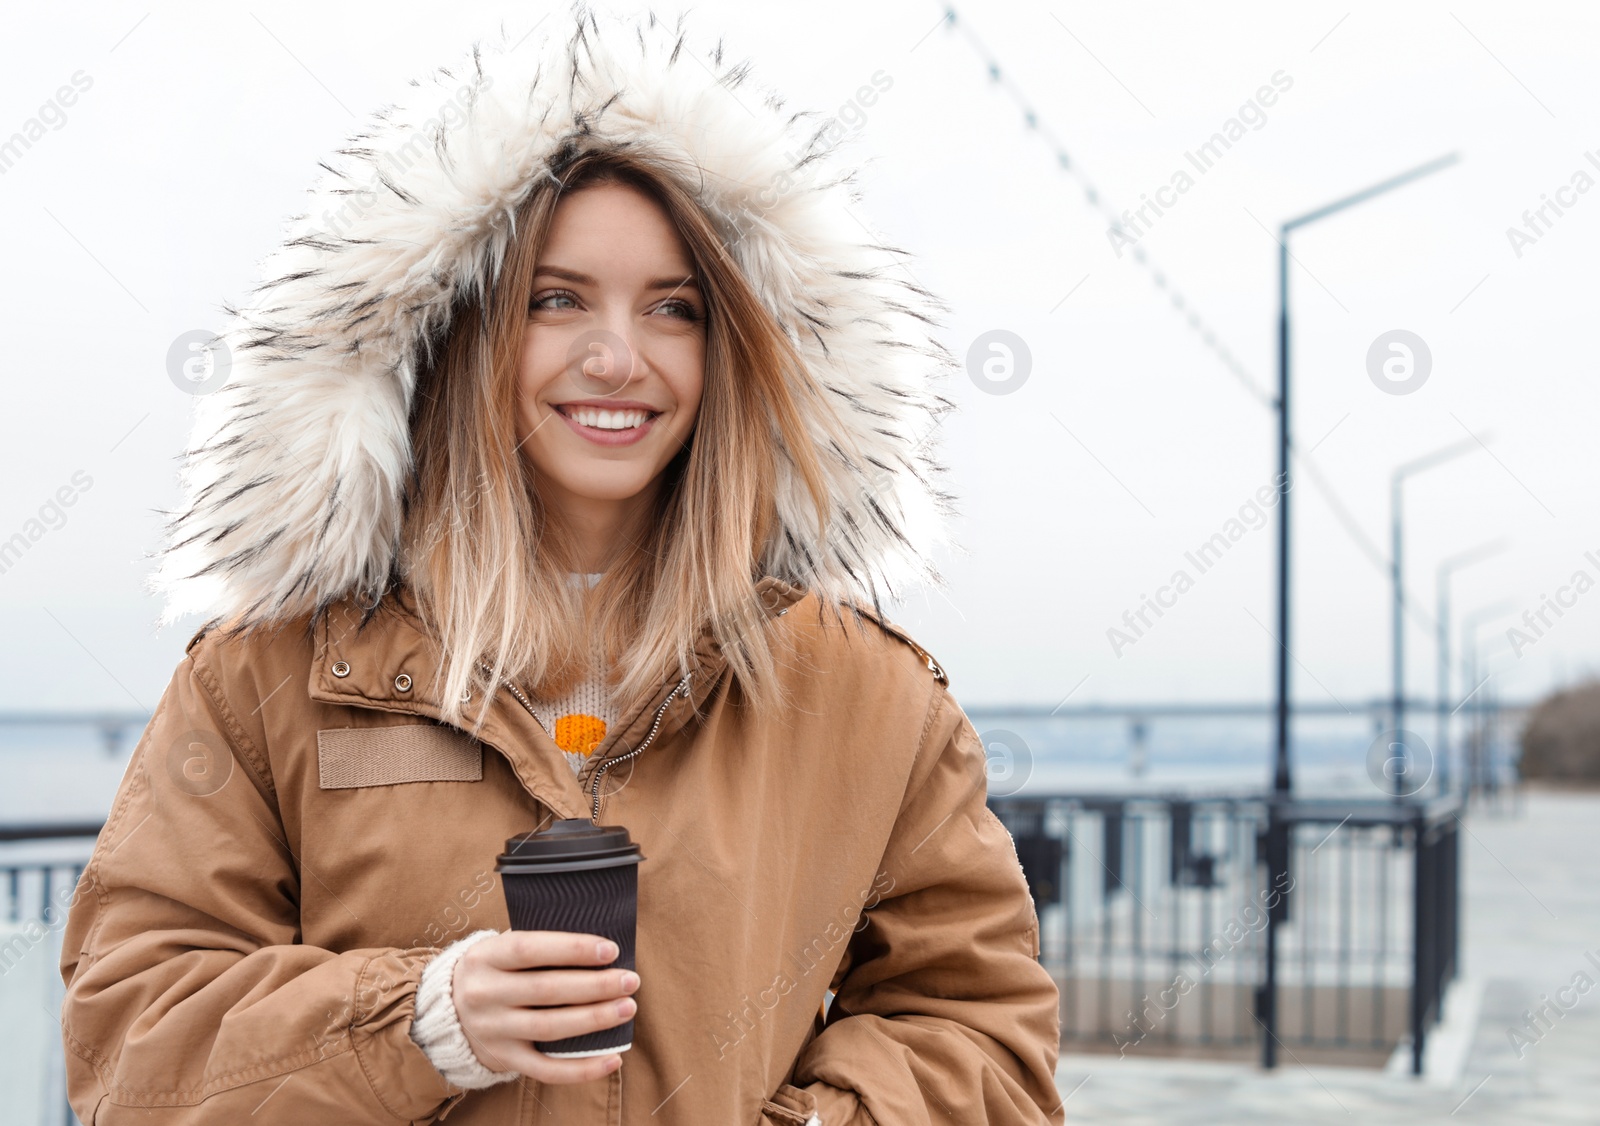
(294, 473)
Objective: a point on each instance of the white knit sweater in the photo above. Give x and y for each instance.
(578, 721)
(436, 1029)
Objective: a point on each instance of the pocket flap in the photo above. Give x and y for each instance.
(790, 1106)
(350, 757)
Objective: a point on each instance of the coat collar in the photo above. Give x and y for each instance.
(390, 662)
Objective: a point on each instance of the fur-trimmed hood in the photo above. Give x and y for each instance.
(295, 471)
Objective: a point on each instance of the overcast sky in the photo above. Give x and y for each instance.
(187, 132)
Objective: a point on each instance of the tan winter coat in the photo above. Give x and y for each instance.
(296, 836)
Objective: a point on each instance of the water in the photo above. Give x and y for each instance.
(59, 772)
(1332, 756)
(67, 772)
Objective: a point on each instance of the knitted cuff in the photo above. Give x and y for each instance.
(437, 1030)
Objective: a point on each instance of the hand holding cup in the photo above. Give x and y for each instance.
(524, 985)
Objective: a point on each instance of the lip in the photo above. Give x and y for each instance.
(609, 405)
(608, 437)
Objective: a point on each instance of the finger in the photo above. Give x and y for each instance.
(516, 950)
(523, 1058)
(544, 988)
(560, 1023)
(495, 1053)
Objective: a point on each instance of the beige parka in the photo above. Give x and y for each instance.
(297, 833)
(249, 934)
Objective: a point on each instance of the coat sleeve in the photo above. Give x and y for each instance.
(189, 996)
(943, 1012)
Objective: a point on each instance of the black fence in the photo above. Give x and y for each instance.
(39, 870)
(1206, 925)
(1226, 925)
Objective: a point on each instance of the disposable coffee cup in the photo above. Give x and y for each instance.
(583, 878)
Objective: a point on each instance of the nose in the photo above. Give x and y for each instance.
(604, 360)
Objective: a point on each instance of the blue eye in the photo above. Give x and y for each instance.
(686, 310)
(689, 313)
(550, 295)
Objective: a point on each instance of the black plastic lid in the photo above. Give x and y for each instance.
(571, 842)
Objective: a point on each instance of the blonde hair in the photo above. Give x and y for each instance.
(488, 564)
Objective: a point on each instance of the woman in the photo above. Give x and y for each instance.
(575, 429)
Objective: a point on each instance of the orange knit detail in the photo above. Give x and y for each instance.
(579, 734)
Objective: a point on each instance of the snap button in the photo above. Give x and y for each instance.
(341, 668)
(402, 683)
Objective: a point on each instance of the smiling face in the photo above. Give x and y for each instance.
(613, 355)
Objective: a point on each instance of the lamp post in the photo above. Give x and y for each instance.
(1448, 567)
(1397, 584)
(1277, 839)
(1281, 774)
(1470, 666)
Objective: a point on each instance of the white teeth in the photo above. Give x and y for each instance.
(607, 420)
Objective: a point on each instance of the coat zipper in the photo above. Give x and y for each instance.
(609, 763)
(600, 771)
(523, 700)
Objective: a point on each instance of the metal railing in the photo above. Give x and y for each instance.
(1221, 924)
(36, 892)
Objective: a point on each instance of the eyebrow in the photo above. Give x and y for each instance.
(585, 279)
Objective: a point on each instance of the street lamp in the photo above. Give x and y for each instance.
(1281, 779)
(1397, 583)
(1447, 567)
(1470, 662)
(1277, 840)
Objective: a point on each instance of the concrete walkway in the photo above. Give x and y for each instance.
(1530, 934)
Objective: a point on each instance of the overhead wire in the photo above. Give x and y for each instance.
(1097, 199)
